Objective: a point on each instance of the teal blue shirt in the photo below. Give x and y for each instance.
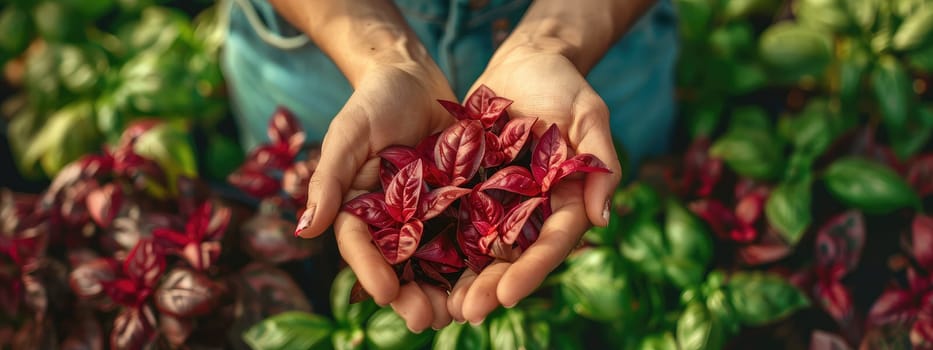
(267, 63)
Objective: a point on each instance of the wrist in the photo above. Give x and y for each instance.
(550, 37)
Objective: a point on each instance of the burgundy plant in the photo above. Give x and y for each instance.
(469, 189)
(199, 244)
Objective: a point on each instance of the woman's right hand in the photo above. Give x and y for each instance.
(392, 105)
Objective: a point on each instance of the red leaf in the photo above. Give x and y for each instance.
(468, 238)
(440, 250)
(839, 244)
(176, 330)
(432, 275)
(548, 154)
(513, 137)
(217, 225)
(285, 129)
(821, 340)
(187, 293)
(269, 238)
(922, 240)
(719, 218)
(426, 147)
(397, 245)
(201, 256)
(435, 202)
(493, 156)
(836, 300)
(459, 151)
(455, 109)
(513, 178)
(514, 220)
(403, 194)
(920, 175)
(750, 207)
(532, 228)
(485, 106)
(893, 306)
(125, 292)
(585, 162)
(134, 328)
(371, 208)
(262, 158)
(254, 182)
(88, 279)
(485, 212)
(266, 291)
(400, 156)
(169, 241)
(136, 129)
(769, 248)
(144, 264)
(84, 333)
(921, 334)
(700, 169)
(295, 181)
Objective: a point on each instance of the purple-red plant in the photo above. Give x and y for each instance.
(135, 325)
(469, 189)
(199, 245)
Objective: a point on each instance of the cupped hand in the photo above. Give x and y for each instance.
(391, 104)
(548, 86)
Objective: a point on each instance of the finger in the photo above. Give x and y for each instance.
(438, 299)
(481, 298)
(559, 235)
(371, 269)
(343, 153)
(413, 306)
(590, 132)
(457, 293)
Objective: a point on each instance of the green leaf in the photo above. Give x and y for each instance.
(893, 89)
(922, 58)
(21, 132)
(788, 209)
(290, 330)
(638, 200)
(658, 341)
(595, 284)
(751, 153)
(643, 245)
(910, 140)
(387, 330)
(760, 298)
(697, 329)
(720, 308)
(829, 15)
(863, 13)
(740, 9)
(749, 118)
(348, 339)
(704, 117)
(794, 51)
(868, 185)
(64, 138)
(915, 31)
(853, 65)
(17, 29)
(157, 30)
(56, 22)
(81, 67)
(812, 131)
(462, 336)
(747, 77)
(694, 18)
(510, 329)
(732, 40)
(691, 246)
(346, 314)
(169, 145)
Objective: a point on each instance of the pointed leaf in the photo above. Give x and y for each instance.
(459, 151)
(839, 244)
(397, 245)
(868, 185)
(290, 330)
(404, 192)
(217, 225)
(492, 156)
(104, 203)
(255, 183)
(513, 178)
(134, 328)
(440, 250)
(513, 137)
(836, 299)
(922, 240)
(88, 279)
(920, 175)
(585, 162)
(892, 87)
(893, 306)
(144, 264)
(187, 293)
(285, 129)
(821, 340)
(455, 109)
(435, 202)
(761, 298)
(484, 212)
(469, 240)
(371, 208)
(485, 106)
(400, 156)
(515, 219)
(548, 154)
(168, 240)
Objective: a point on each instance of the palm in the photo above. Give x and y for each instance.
(549, 87)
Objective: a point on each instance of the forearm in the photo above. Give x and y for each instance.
(356, 35)
(582, 31)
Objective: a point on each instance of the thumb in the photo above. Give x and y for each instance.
(591, 132)
(344, 150)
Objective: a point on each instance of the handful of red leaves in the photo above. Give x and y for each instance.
(468, 194)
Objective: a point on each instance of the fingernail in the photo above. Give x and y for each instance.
(477, 323)
(460, 321)
(304, 221)
(414, 331)
(510, 305)
(606, 212)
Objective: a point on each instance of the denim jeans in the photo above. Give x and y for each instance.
(635, 77)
